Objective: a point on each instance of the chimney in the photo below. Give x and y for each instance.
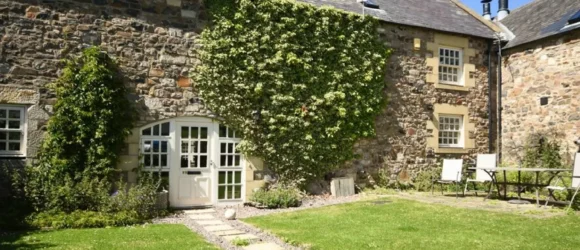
(486, 9)
(503, 9)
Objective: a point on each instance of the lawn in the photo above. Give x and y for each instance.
(161, 236)
(405, 224)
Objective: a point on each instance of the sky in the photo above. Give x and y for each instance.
(478, 7)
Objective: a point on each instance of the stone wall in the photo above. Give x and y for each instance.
(547, 68)
(152, 40)
(400, 147)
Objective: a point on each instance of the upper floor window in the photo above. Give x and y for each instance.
(12, 130)
(450, 65)
(450, 131)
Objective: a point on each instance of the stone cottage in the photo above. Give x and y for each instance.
(540, 83)
(438, 86)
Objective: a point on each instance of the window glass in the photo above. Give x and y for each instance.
(449, 66)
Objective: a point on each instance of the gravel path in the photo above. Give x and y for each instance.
(247, 211)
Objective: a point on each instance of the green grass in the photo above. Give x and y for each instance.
(160, 236)
(407, 224)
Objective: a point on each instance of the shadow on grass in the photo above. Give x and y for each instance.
(21, 240)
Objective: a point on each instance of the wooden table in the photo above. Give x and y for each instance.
(492, 172)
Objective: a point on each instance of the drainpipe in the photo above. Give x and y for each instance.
(489, 83)
(499, 97)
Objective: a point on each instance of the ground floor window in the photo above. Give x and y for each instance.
(450, 131)
(12, 130)
(229, 184)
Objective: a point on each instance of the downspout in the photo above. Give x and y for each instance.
(499, 97)
(489, 106)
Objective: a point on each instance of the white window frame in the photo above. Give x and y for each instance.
(160, 138)
(230, 137)
(460, 81)
(23, 131)
(460, 140)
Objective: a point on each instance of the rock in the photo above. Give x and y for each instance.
(230, 214)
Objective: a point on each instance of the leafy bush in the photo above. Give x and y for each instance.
(83, 219)
(14, 206)
(302, 83)
(277, 197)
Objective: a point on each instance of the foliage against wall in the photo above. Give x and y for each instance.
(302, 83)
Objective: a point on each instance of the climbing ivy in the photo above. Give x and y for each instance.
(302, 83)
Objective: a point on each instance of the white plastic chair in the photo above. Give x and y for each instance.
(451, 174)
(483, 161)
(575, 182)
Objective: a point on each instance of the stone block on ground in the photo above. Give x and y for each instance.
(209, 222)
(263, 246)
(241, 237)
(201, 217)
(228, 232)
(218, 228)
(199, 211)
(230, 214)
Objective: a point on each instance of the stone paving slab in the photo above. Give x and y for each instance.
(199, 211)
(218, 228)
(229, 232)
(241, 237)
(263, 246)
(209, 222)
(201, 217)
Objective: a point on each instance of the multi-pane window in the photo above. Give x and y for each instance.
(230, 157)
(230, 185)
(12, 130)
(194, 147)
(450, 131)
(155, 153)
(155, 146)
(450, 66)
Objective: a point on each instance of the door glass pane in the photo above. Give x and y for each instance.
(164, 160)
(237, 162)
(230, 147)
(147, 160)
(238, 177)
(223, 161)
(223, 147)
(223, 131)
(203, 161)
(164, 146)
(194, 132)
(221, 192)
(156, 146)
(184, 147)
(14, 114)
(193, 162)
(184, 132)
(230, 160)
(165, 129)
(155, 162)
(237, 192)
(156, 129)
(193, 147)
(203, 133)
(203, 147)
(146, 131)
(230, 177)
(184, 161)
(147, 146)
(230, 192)
(222, 177)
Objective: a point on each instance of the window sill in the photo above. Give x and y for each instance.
(451, 150)
(448, 86)
(12, 156)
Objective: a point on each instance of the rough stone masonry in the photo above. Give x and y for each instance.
(154, 42)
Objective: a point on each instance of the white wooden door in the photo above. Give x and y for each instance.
(193, 169)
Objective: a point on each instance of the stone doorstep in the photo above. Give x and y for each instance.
(228, 232)
(201, 217)
(199, 211)
(263, 246)
(241, 237)
(209, 222)
(218, 228)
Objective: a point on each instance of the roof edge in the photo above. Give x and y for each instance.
(487, 23)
